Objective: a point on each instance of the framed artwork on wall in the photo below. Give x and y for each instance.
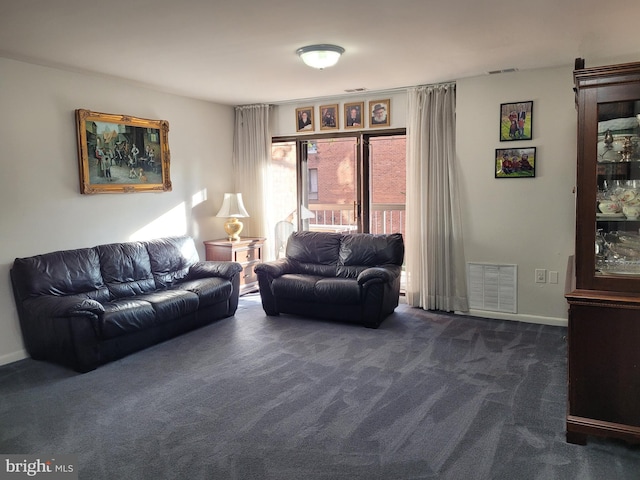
(329, 117)
(304, 119)
(516, 121)
(122, 154)
(379, 113)
(353, 115)
(515, 162)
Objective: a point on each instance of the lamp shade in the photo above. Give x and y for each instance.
(232, 206)
(320, 56)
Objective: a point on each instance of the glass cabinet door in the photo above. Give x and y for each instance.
(617, 235)
(608, 179)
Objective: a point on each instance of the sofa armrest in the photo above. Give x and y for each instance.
(63, 329)
(386, 274)
(275, 268)
(49, 306)
(266, 272)
(212, 268)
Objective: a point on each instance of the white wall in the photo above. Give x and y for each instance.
(527, 222)
(41, 209)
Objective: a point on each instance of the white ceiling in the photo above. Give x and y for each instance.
(243, 51)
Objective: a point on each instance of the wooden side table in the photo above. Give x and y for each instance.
(248, 251)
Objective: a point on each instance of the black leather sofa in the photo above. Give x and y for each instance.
(346, 277)
(83, 308)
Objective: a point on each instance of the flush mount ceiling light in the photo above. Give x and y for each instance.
(320, 56)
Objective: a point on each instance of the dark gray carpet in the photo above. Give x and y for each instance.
(252, 397)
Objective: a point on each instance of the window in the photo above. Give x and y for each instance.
(344, 182)
(313, 184)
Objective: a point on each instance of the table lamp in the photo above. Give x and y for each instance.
(232, 208)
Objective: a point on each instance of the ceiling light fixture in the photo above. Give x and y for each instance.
(320, 56)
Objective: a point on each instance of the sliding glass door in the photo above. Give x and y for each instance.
(331, 184)
(282, 201)
(385, 158)
(340, 183)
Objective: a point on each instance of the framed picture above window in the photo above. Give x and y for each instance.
(353, 115)
(379, 114)
(516, 121)
(515, 162)
(329, 117)
(304, 119)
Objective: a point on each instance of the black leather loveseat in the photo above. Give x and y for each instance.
(83, 308)
(347, 277)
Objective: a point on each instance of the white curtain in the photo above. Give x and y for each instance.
(435, 264)
(251, 159)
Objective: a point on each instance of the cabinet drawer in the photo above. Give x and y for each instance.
(247, 255)
(248, 275)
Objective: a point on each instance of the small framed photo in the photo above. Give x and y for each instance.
(515, 162)
(379, 114)
(329, 117)
(353, 115)
(304, 119)
(516, 121)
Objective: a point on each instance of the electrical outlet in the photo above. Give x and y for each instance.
(553, 276)
(541, 275)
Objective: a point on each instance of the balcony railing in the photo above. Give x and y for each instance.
(384, 217)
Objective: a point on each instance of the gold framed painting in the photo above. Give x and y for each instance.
(122, 154)
(353, 115)
(304, 119)
(329, 117)
(379, 113)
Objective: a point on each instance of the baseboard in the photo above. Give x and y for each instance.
(13, 357)
(554, 321)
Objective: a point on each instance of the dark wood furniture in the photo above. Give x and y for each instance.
(604, 299)
(248, 252)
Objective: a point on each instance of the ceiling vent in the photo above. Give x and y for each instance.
(506, 70)
(354, 90)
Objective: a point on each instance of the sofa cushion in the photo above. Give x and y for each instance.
(337, 291)
(126, 269)
(315, 269)
(171, 258)
(296, 286)
(371, 250)
(308, 288)
(314, 247)
(351, 271)
(208, 290)
(124, 315)
(170, 305)
(66, 272)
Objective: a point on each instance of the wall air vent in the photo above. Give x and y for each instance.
(354, 90)
(506, 70)
(493, 287)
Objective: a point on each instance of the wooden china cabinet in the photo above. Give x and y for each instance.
(604, 300)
